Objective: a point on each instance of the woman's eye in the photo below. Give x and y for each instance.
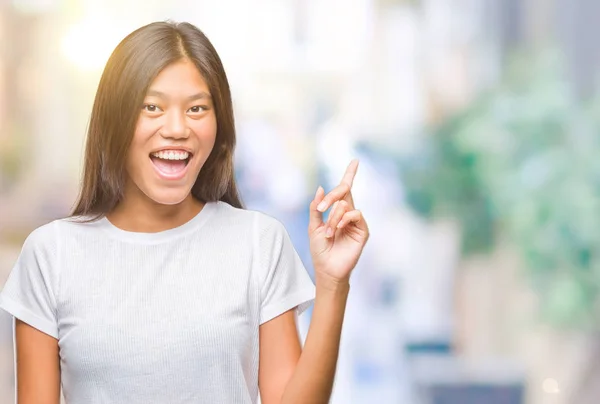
(151, 108)
(197, 108)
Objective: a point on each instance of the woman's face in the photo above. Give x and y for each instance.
(174, 135)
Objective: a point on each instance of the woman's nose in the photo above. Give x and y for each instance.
(175, 126)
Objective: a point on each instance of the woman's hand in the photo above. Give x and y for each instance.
(337, 244)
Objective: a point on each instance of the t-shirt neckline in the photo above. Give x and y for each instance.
(140, 237)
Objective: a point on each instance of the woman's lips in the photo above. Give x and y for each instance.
(170, 170)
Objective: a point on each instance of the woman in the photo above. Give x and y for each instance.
(161, 288)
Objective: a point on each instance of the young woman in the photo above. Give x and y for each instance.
(161, 288)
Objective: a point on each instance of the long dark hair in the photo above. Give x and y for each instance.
(133, 65)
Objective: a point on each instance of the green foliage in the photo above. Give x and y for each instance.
(523, 162)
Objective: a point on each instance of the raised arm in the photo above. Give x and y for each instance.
(335, 248)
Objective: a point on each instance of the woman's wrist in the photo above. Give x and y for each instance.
(326, 283)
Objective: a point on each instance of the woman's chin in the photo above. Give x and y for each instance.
(169, 197)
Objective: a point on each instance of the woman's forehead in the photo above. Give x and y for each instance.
(182, 79)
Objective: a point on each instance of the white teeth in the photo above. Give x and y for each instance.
(171, 155)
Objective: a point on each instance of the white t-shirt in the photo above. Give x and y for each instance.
(167, 317)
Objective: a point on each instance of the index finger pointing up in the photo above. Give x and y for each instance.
(342, 191)
(350, 173)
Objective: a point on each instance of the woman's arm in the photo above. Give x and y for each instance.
(336, 246)
(290, 374)
(312, 380)
(38, 366)
(280, 351)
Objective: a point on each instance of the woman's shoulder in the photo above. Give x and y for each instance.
(78, 224)
(42, 238)
(57, 229)
(46, 231)
(257, 224)
(250, 218)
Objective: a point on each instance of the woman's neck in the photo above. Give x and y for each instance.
(151, 217)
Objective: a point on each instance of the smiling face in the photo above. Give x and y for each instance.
(175, 133)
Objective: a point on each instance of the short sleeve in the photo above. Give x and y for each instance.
(29, 293)
(285, 283)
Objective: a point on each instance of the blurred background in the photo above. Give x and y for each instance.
(476, 124)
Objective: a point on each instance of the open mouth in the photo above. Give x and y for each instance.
(171, 164)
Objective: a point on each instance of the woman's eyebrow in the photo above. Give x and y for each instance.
(194, 97)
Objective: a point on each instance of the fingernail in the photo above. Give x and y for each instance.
(329, 232)
(318, 190)
(322, 206)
